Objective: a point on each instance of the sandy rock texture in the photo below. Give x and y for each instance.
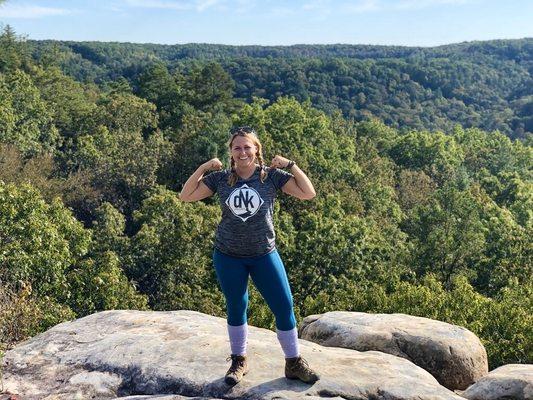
(130, 353)
(508, 382)
(452, 354)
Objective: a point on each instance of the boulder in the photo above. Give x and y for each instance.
(162, 397)
(130, 353)
(452, 354)
(509, 382)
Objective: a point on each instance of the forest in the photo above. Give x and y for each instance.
(421, 160)
(484, 85)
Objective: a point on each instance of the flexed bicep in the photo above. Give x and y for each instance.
(201, 192)
(292, 189)
(195, 189)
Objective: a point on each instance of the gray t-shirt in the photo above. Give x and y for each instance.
(246, 228)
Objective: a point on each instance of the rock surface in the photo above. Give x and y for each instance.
(452, 354)
(509, 382)
(128, 353)
(162, 397)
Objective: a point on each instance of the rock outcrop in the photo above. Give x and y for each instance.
(131, 353)
(452, 354)
(509, 382)
(163, 397)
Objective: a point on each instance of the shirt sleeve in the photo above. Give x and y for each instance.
(279, 177)
(213, 179)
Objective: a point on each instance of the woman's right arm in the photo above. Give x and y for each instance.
(194, 189)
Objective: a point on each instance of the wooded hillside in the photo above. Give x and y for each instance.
(480, 84)
(93, 155)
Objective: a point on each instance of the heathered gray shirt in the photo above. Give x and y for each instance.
(246, 228)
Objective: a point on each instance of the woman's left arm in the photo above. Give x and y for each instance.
(300, 186)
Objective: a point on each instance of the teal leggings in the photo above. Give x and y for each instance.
(269, 277)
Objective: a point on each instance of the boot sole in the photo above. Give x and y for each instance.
(296, 378)
(233, 382)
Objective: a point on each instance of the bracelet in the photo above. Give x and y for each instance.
(290, 165)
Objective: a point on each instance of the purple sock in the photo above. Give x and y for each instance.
(237, 339)
(289, 342)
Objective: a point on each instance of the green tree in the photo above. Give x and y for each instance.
(507, 253)
(125, 112)
(43, 173)
(70, 103)
(99, 282)
(170, 256)
(25, 119)
(13, 51)
(414, 188)
(209, 88)
(123, 164)
(434, 153)
(157, 86)
(447, 234)
(39, 242)
(200, 137)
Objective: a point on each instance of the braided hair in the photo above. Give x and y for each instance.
(233, 177)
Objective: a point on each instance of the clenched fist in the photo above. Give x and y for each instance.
(212, 165)
(279, 162)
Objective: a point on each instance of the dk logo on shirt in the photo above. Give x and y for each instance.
(244, 202)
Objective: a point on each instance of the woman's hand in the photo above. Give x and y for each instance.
(212, 165)
(279, 162)
(299, 185)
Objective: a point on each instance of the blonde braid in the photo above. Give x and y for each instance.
(232, 178)
(261, 164)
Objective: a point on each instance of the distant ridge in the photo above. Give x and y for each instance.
(195, 50)
(485, 84)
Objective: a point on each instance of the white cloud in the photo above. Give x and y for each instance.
(202, 5)
(362, 6)
(320, 10)
(281, 12)
(171, 5)
(198, 5)
(318, 5)
(417, 4)
(29, 11)
(242, 6)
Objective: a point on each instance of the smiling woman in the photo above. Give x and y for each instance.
(245, 243)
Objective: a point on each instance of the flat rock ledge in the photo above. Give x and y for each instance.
(509, 382)
(452, 354)
(117, 353)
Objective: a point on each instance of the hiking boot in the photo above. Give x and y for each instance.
(239, 368)
(297, 368)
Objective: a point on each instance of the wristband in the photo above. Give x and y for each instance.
(290, 165)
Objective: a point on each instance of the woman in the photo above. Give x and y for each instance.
(244, 244)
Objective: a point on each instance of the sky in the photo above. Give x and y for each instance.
(271, 22)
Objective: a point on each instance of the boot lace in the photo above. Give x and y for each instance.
(236, 363)
(304, 365)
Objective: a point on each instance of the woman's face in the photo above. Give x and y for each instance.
(243, 151)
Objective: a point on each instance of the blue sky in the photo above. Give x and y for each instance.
(271, 22)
